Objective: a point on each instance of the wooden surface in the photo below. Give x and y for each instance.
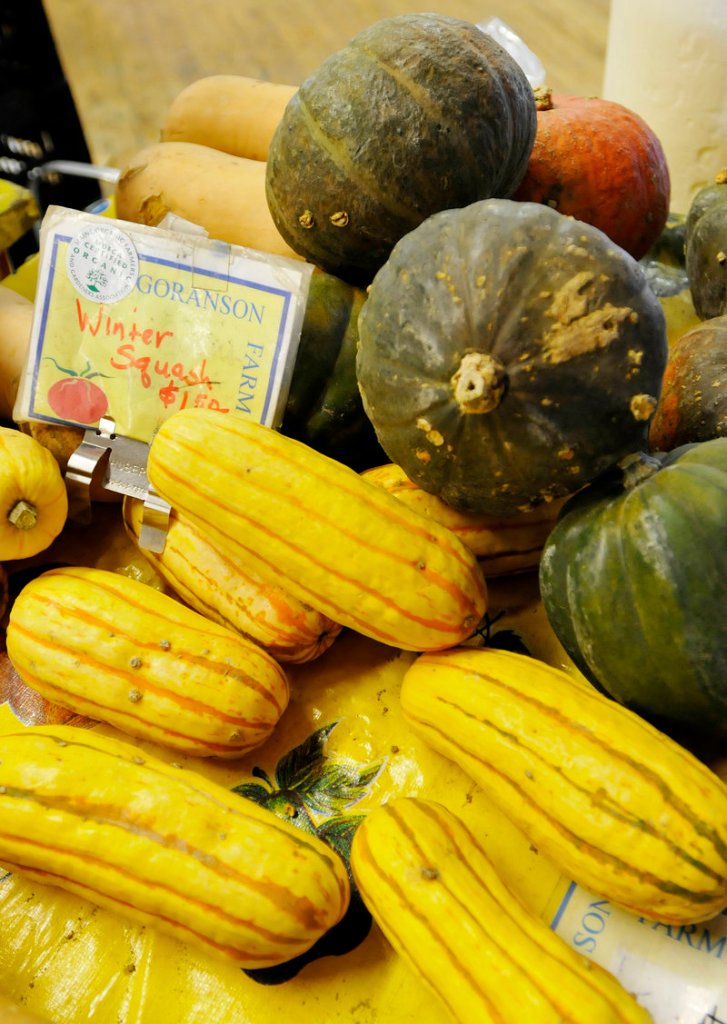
(126, 61)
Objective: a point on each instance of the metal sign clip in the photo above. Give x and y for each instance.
(118, 464)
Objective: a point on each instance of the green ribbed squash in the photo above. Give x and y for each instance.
(417, 113)
(324, 408)
(632, 578)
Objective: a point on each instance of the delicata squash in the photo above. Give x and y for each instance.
(332, 539)
(437, 897)
(617, 805)
(165, 846)
(118, 651)
(230, 592)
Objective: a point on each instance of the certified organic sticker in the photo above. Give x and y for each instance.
(102, 263)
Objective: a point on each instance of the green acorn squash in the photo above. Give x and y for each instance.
(417, 113)
(632, 578)
(705, 243)
(508, 354)
(324, 407)
(693, 402)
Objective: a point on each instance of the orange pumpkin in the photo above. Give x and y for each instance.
(599, 162)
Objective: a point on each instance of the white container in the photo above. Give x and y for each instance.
(667, 61)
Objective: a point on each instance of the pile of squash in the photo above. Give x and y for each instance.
(465, 604)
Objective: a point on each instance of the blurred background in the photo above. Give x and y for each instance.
(124, 62)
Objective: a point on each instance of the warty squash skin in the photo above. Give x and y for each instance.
(118, 651)
(693, 402)
(443, 906)
(417, 113)
(632, 578)
(617, 805)
(331, 539)
(231, 593)
(165, 846)
(705, 244)
(508, 354)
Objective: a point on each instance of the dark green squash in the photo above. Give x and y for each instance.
(706, 248)
(417, 113)
(664, 264)
(508, 354)
(324, 407)
(632, 578)
(693, 402)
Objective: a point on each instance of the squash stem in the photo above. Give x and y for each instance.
(23, 515)
(637, 468)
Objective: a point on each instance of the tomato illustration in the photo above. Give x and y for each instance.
(75, 397)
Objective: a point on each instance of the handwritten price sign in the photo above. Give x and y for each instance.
(135, 323)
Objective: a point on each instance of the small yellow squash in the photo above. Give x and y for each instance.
(435, 894)
(332, 539)
(231, 592)
(164, 845)
(118, 651)
(617, 805)
(33, 496)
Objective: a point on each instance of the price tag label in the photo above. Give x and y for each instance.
(133, 323)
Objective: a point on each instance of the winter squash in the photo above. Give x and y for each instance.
(443, 906)
(417, 113)
(665, 268)
(693, 402)
(615, 803)
(632, 580)
(164, 846)
(324, 407)
(343, 748)
(706, 248)
(33, 496)
(112, 648)
(330, 538)
(600, 162)
(508, 354)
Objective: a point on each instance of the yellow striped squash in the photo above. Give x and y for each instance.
(164, 845)
(616, 804)
(503, 545)
(334, 540)
(118, 651)
(434, 892)
(231, 592)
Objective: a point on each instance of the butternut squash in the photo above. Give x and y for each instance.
(163, 845)
(118, 651)
(223, 194)
(232, 113)
(437, 897)
(618, 806)
(502, 544)
(16, 321)
(231, 592)
(328, 536)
